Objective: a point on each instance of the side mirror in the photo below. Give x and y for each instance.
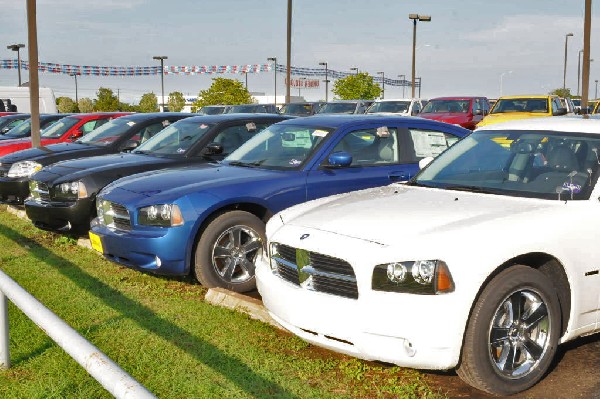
(76, 134)
(424, 162)
(559, 112)
(212, 149)
(130, 145)
(339, 159)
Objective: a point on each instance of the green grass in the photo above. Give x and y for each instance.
(162, 332)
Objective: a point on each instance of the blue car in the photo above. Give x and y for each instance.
(209, 220)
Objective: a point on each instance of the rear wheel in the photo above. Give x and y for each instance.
(227, 250)
(512, 334)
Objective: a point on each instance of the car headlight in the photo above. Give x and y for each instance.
(165, 215)
(70, 190)
(416, 277)
(23, 169)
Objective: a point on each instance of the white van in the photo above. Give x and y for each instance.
(19, 96)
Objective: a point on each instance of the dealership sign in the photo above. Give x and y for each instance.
(301, 83)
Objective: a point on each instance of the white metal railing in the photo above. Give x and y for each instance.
(114, 379)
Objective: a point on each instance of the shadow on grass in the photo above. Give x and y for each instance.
(239, 373)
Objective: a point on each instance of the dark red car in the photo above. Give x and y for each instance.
(69, 128)
(463, 111)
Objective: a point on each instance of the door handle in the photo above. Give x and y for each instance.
(399, 176)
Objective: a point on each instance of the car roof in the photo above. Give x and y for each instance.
(526, 96)
(342, 120)
(456, 98)
(235, 117)
(150, 115)
(576, 124)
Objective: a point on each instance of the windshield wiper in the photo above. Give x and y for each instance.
(471, 189)
(247, 164)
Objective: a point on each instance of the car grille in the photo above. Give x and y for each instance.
(318, 272)
(4, 168)
(114, 215)
(40, 191)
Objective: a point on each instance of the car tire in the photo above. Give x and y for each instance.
(227, 250)
(512, 334)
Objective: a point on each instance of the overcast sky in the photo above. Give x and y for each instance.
(464, 50)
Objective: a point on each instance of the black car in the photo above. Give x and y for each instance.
(300, 109)
(63, 194)
(252, 108)
(7, 122)
(24, 129)
(212, 110)
(120, 134)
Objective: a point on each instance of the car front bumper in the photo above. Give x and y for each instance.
(13, 191)
(61, 216)
(405, 329)
(159, 250)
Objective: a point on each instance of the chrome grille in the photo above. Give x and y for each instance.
(113, 215)
(322, 273)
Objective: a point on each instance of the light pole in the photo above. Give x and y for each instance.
(326, 80)
(415, 18)
(596, 95)
(565, 67)
(579, 70)
(162, 58)
(246, 79)
(289, 52)
(76, 97)
(300, 83)
(17, 48)
(501, 77)
(274, 59)
(402, 78)
(382, 84)
(419, 86)
(355, 69)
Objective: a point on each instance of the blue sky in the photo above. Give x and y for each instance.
(462, 51)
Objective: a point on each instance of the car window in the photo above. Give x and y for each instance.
(149, 131)
(427, 143)
(91, 125)
(174, 139)
(232, 137)
(60, 127)
(370, 147)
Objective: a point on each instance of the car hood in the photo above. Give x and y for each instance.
(98, 164)
(53, 153)
(173, 183)
(417, 212)
(509, 116)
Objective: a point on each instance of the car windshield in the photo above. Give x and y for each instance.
(237, 109)
(296, 109)
(389, 106)
(337, 108)
(60, 127)
(279, 147)
(534, 105)
(576, 102)
(176, 139)
(538, 164)
(444, 106)
(108, 133)
(212, 110)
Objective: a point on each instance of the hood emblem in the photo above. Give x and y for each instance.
(303, 236)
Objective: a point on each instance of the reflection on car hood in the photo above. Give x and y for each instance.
(100, 163)
(509, 116)
(48, 154)
(371, 214)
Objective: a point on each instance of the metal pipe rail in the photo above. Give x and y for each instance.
(114, 379)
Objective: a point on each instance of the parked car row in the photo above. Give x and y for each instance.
(352, 215)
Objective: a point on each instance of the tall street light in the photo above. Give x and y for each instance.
(579, 70)
(17, 47)
(355, 69)
(162, 58)
(274, 60)
(76, 97)
(289, 52)
(596, 95)
(382, 84)
(326, 80)
(501, 77)
(565, 68)
(402, 78)
(415, 18)
(419, 86)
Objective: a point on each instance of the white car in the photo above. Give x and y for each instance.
(402, 107)
(484, 262)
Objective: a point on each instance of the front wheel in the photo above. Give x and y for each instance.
(513, 332)
(227, 250)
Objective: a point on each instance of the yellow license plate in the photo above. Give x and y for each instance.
(96, 242)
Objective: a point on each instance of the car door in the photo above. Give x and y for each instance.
(376, 161)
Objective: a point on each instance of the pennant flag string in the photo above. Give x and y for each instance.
(92, 70)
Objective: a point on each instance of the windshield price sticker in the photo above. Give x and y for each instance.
(383, 132)
(166, 123)
(428, 144)
(296, 140)
(320, 133)
(250, 126)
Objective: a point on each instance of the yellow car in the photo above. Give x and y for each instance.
(522, 107)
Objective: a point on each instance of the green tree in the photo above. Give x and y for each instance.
(66, 105)
(561, 92)
(176, 101)
(85, 105)
(149, 103)
(356, 87)
(223, 91)
(106, 101)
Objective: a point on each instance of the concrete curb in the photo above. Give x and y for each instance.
(215, 296)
